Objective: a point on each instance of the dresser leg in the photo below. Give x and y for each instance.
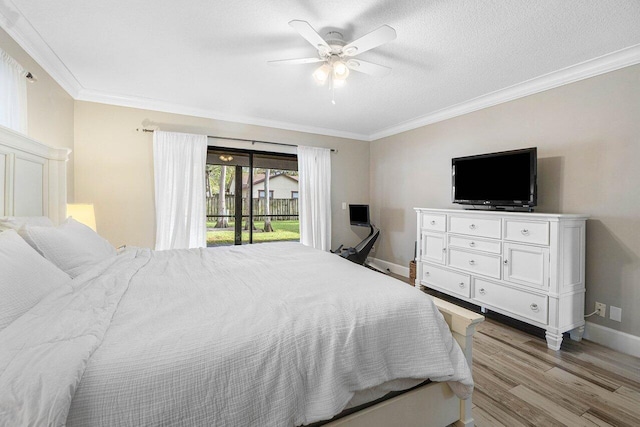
(554, 341)
(577, 333)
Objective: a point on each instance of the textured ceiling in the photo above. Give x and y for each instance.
(210, 57)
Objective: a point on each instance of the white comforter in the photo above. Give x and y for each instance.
(263, 335)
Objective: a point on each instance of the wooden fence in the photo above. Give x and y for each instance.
(281, 209)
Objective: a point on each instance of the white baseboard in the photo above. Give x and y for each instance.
(616, 340)
(394, 268)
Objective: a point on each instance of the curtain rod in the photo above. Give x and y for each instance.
(252, 141)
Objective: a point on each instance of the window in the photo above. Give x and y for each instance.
(294, 194)
(237, 209)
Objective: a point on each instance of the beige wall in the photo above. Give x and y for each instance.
(114, 167)
(588, 139)
(50, 108)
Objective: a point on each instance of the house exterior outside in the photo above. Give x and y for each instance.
(281, 186)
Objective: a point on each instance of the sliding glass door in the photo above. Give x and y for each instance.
(252, 197)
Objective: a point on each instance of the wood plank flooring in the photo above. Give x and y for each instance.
(520, 382)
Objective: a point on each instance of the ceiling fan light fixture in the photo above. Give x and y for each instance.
(321, 74)
(340, 70)
(226, 157)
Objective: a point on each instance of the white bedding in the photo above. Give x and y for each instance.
(262, 335)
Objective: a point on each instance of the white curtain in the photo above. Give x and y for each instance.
(314, 168)
(13, 90)
(179, 162)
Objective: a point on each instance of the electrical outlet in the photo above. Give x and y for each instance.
(615, 313)
(601, 309)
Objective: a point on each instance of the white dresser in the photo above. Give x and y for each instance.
(528, 266)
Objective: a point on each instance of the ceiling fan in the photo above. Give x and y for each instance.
(336, 56)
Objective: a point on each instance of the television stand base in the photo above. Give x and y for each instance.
(499, 208)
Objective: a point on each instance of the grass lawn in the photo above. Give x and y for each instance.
(282, 230)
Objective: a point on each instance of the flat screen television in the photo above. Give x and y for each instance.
(496, 180)
(359, 215)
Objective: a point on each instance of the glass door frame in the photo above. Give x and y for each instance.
(238, 217)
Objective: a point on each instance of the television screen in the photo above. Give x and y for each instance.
(359, 215)
(496, 179)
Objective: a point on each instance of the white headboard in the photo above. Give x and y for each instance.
(33, 177)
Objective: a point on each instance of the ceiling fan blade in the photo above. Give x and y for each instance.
(375, 38)
(310, 34)
(295, 61)
(368, 68)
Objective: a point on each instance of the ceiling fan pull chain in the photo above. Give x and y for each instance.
(333, 91)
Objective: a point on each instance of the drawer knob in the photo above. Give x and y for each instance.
(472, 244)
(482, 291)
(534, 307)
(505, 262)
(426, 273)
(472, 226)
(461, 284)
(444, 249)
(524, 232)
(472, 262)
(433, 222)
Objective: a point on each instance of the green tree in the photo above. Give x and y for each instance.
(223, 222)
(268, 228)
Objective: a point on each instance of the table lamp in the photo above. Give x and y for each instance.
(83, 213)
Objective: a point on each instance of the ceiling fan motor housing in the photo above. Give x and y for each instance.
(335, 41)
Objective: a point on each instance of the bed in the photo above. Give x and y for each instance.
(272, 334)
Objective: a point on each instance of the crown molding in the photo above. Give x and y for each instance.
(16, 25)
(584, 70)
(168, 107)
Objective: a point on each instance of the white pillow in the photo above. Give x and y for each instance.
(25, 277)
(17, 222)
(72, 246)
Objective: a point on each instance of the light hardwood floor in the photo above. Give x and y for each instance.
(520, 382)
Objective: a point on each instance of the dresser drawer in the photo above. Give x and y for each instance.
(481, 227)
(434, 222)
(445, 280)
(536, 232)
(493, 246)
(526, 304)
(475, 262)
